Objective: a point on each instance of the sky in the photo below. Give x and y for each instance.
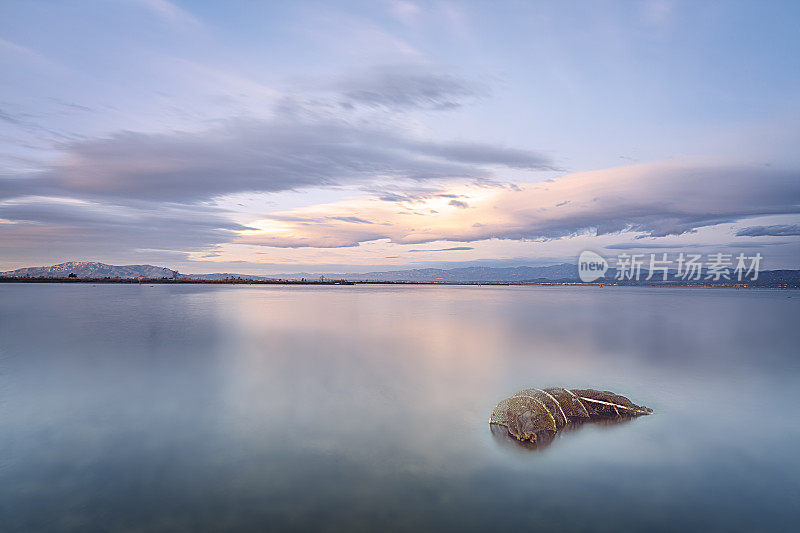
(276, 137)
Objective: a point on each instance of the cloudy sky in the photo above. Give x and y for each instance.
(269, 137)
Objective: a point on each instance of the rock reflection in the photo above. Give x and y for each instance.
(544, 439)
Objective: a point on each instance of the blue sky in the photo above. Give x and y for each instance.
(319, 136)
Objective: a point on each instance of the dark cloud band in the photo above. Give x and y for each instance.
(778, 230)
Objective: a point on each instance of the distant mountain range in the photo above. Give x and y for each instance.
(218, 276)
(465, 274)
(95, 270)
(563, 272)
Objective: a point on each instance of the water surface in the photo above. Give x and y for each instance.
(154, 408)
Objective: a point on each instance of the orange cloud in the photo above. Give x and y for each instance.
(656, 198)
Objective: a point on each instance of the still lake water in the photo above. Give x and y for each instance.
(161, 408)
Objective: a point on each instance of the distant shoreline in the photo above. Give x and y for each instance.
(243, 281)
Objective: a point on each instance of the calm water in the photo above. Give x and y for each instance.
(155, 408)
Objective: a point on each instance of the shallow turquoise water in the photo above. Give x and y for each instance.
(154, 408)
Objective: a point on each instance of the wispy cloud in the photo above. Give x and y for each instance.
(23, 53)
(405, 11)
(451, 249)
(170, 13)
(354, 220)
(407, 87)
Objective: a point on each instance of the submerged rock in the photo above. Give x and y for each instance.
(529, 418)
(549, 402)
(536, 415)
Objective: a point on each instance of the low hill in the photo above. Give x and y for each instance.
(92, 269)
(464, 274)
